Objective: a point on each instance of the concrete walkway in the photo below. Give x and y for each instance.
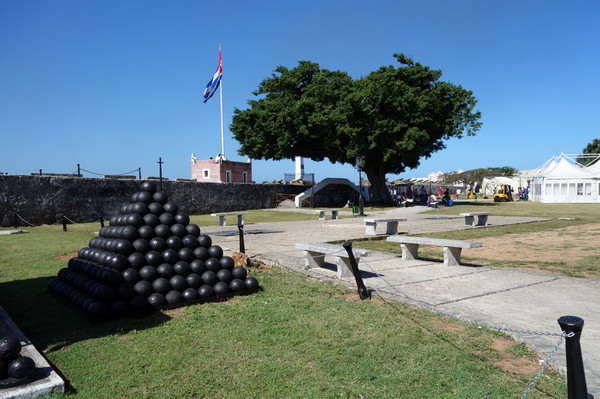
(526, 305)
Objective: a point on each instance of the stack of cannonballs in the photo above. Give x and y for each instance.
(150, 256)
(14, 368)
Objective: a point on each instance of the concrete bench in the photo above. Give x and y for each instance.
(482, 218)
(334, 213)
(223, 217)
(391, 226)
(452, 248)
(314, 256)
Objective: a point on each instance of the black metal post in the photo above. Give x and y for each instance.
(361, 201)
(242, 246)
(101, 221)
(78, 170)
(160, 162)
(571, 327)
(40, 172)
(16, 221)
(64, 222)
(363, 293)
(140, 173)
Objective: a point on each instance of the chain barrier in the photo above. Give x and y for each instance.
(25, 221)
(60, 221)
(104, 174)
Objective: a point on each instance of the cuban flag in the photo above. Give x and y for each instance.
(213, 85)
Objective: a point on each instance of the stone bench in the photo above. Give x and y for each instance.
(334, 213)
(452, 248)
(314, 256)
(223, 217)
(482, 218)
(391, 226)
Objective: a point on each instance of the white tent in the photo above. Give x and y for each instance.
(562, 179)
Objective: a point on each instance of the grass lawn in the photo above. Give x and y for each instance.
(297, 338)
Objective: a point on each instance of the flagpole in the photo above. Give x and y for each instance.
(221, 103)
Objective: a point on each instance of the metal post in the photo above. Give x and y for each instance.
(64, 222)
(101, 221)
(242, 246)
(571, 327)
(140, 173)
(363, 293)
(160, 162)
(16, 221)
(78, 170)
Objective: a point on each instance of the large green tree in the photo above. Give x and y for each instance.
(591, 148)
(391, 118)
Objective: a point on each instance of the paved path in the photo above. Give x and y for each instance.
(524, 303)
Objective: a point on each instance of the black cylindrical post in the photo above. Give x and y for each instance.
(571, 327)
(78, 170)
(160, 162)
(140, 173)
(363, 293)
(242, 246)
(16, 221)
(101, 221)
(64, 222)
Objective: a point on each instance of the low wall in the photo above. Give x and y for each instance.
(45, 199)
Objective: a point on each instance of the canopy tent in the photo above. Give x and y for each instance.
(563, 179)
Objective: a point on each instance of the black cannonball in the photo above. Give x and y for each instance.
(10, 348)
(134, 219)
(189, 294)
(167, 218)
(149, 273)
(138, 303)
(212, 264)
(118, 262)
(190, 241)
(237, 285)
(131, 275)
(104, 292)
(174, 243)
(221, 288)
(123, 247)
(227, 263)
(194, 280)
(178, 282)
(182, 218)
(201, 253)
(154, 258)
(136, 260)
(225, 276)
(171, 208)
(251, 283)
(146, 232)
(98, 309)
(142, 196)
(193, 229)
(161, 285)
(140, 208)
(156, 208)
(151, 220)
(174, 297)
(157, 300)
(197, 266)
(209, 278)
(119, 306)
(186, 254)
(141, 245)
(170, 256)
(158, 244)
(112, 276)
(215, 251)
(163, 231)
(125, 290)
(160, 197)
(165, 270)
(206, 291)
(143, 288)
(149, 186)
(179, 230)
(182, 268)
(204, 241)
(21, 367)
(239, 272)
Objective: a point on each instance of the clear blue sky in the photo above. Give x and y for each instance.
(115, 84)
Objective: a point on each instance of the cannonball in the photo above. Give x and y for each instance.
(134, 219)
(251, 283)
(224, 275)
(160, 197)
(215, 251)
(165, 270)
(98, 309)
(149, 186)
(119, 306)
(182, 268)
(221, 288)
(154, 258)
(239, 272)
(182, 218)
(193, 229)
(163, 231)
(123, 247)
(156, 208)
(237, 285)
(151, 220)
(197, 266)
(138, 303)
(118, 262)
(125, 290)
(212, 264)
(143, 288)
(142, 196)
(10, 348)
(167, 218)
(21, 367)
(179, 230)
(131, 275)
(201, 253)
(174, 297)
(161, 285)
(158, 244)
(141, 245)
(190, 241)
(136, 260)
(170, 256)
(227, 263)
(157, 300)
(112, 276)
(189, 294)
(149, 273)
(204, 241)
(194, 280)
(140, 208)
(174, 242)
(186, 254)
(104, 292)
(146, 232)
(171, 208)
(178, 282)
(209, 278)
(206, 291)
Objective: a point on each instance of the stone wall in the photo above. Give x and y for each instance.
(45, 199)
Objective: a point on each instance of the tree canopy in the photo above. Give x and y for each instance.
(591, 148)
(391, 118)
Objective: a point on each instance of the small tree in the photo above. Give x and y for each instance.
(391, 118)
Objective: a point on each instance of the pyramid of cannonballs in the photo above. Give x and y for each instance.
(150, 256)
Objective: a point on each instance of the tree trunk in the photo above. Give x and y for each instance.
(380, 195)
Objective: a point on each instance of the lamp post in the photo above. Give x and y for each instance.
(360, 162)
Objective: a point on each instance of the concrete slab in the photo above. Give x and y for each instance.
(8, 232)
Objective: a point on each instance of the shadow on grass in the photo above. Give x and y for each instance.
(50, 323)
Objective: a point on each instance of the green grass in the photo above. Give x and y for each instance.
(297, 338)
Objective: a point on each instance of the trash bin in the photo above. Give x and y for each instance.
(354, 210)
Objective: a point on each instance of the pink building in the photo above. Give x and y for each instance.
(220, 170)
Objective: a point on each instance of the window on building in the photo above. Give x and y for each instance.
(579, 188)
(245, 176)
(588, 188)
(206, 173)
(227, 176)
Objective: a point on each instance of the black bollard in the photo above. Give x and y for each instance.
(101, 221)
(363, 293)
(64, 223)
(242, 246)
(16, 221)
(571, 327)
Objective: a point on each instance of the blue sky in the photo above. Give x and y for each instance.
(113, 85)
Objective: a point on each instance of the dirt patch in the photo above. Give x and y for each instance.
(66, 257)
(570, 245)
(512, 363)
